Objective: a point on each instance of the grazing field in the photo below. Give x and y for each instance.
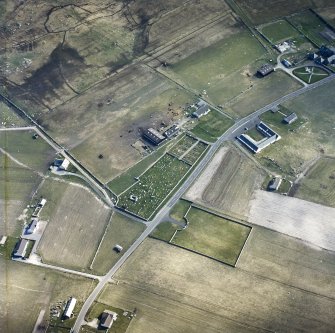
(36, 154)
(211, 70)
(27, 289)
(211, 126)
(304, 220)
(306, 139)
(120, 230)
(76, 223)
(154, 186)
(17, 185)
(280, 284)
(8, 117)
(180, 209)
(265, 91)
(310, 25)
(310, 74)
(228, 182)
(195, 153)
(328, 14)
(279, 31)
(318, 185)
(213, 236)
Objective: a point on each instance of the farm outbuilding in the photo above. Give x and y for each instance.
(32, 226)
(3, 240)
(71, 303)
(21, 248)
(265, 69)
(170, 132)
(153, 136)
(274, 183)
(65, 164)
(290, 118)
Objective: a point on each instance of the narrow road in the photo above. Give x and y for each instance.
(230, 134)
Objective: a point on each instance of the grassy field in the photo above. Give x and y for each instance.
(164, 231)
(212, 236)
(310, 74)
(310, 25)
(120, 230)
(307, 138)
(265, 91)
(206, 71)
(211, 126)
(280, 284)
(228, 182)
(17, 185)
(195, 153)
(319, 183)
(76, 223)
(180, 209)
(120, 325)
(8, 117)
(34, 153)
(154, 186)
(26, 290)
(279, 31)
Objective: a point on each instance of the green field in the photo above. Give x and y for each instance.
(304, 140)
(218, 71)
(8, 117)
(279, 31)
(120, 230)
(195, 153)
(211, 126)
(34, 153)
(310, 25)
(310, 74)
(154, 186)
(319, 183)
(206, 233)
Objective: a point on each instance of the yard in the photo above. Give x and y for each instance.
(154, 186)
(310, 74)
(211, 126)
(76, 224)
(279, 31)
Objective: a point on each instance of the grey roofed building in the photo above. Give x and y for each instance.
(202, 109)
(171, 131)
(32, 226)
(20, 248)
(107, 319)
(290, 118)
(270, 137)
(265, 69)
(274, 183)
(153, 136)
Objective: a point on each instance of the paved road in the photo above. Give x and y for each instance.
(230, 134)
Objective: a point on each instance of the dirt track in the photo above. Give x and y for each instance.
(295, 217)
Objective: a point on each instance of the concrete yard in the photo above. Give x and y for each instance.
(298, 218)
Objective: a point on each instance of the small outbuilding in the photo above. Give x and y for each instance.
(64, 165)
(32, 226)
(3, 240)
(107, 319)
(290, 118)
(118, 248)
(42, 202)
(274, 183)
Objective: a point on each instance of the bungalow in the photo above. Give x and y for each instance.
(107, 319)
(202, 109)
